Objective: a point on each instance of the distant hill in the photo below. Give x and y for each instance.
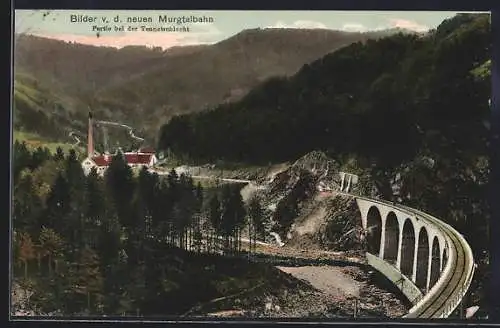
(223, 72)
(145, 87)
(56, 82)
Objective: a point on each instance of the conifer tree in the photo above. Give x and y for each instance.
(75, 218)
(57, 206)
(173, 182)
(255, 214)
(171, 196)
(59, 155)
(88, 280)
(39, 156)
(146, 192)
(197, 218)
(214, 215)
(27, 205)
(163, 213)
(94, 208)
(110, 252)
(228, 218)
(136, 288)
(21, 158)
(184, 208)
(238, 211)
(151, 198)
(120, 187)
(137, 234)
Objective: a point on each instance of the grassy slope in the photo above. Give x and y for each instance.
(33, 141)
(483, 71)
(27, 94)
(38, 110)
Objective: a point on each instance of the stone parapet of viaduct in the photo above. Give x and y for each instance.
(427, 259)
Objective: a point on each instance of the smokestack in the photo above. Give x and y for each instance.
(90, 139)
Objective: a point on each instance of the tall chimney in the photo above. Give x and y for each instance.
(90, 139)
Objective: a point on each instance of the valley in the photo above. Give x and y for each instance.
(149, 86)
(265, 146)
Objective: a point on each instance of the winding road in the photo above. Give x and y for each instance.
(130, 129)
(75, 135)
(207, 177)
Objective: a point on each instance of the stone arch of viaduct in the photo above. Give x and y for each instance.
(412, 249)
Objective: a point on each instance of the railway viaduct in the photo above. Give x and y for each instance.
(428, 260)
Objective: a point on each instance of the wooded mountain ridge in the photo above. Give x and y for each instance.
(382, 100)
(57, 82)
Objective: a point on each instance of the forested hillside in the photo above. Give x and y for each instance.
(53, 94)
(146, 86)
(382, 100)
(118, 244)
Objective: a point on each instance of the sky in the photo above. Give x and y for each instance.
(212, 26)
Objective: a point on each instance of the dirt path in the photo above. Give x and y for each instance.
(328, 279)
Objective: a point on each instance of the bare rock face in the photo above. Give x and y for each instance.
(313, 167)
(343, 230)
(329, 224)
(324, 221)
(320, 166)
(317, 162)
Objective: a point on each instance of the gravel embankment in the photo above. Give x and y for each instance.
(342, 286)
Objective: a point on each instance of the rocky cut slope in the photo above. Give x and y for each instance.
(305, 217)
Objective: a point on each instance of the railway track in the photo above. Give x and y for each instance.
(456, 280)
(442, 299)
(447, 293)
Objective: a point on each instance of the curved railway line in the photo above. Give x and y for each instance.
(442, 299)
(457, 275)
(445, 296)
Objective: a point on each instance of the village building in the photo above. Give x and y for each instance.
(144, 157)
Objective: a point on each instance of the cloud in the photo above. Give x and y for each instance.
(354, 27)
(407, 24)
(305, 24)
(208, 34)
(391, 23)
(158, 39)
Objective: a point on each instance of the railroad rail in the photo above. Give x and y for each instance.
(455, 279)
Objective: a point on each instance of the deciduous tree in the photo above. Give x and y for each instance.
(51, 245)
(26, 251)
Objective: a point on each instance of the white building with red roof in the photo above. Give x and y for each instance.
(133, 159)
(142, 158)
